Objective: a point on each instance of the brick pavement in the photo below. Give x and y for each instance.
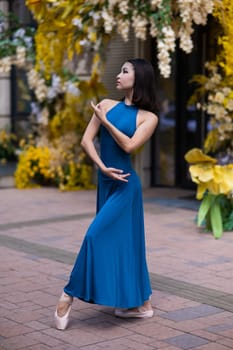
(191, 273)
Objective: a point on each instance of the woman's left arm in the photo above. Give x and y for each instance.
(143, 132)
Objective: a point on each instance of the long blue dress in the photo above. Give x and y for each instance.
(111, 266)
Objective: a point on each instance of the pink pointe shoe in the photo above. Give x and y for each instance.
(139, 312)
(61, 322)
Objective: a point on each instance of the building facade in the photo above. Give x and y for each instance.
(181, 126)
(5, 85)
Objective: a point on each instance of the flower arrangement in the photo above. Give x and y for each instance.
(214, 176)
(219, 106)
(59, 113)
(71, 27)
(215, 189)
(45, 165)
(51, 154)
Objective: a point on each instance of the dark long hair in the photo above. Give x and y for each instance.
(144, 95)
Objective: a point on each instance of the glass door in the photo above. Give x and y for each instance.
(181, 125)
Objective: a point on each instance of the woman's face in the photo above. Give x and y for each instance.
(125, 79)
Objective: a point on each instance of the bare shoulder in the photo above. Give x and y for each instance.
(146, 116)
(108, 103)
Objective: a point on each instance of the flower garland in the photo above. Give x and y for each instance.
(70, 26)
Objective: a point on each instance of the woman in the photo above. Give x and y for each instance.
(111, 266)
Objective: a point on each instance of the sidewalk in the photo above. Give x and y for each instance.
(191, 273)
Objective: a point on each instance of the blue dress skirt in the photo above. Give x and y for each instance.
(111, 267)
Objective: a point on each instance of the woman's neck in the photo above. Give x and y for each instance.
(128, 98)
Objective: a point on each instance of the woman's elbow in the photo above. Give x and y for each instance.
(83, 143)
(128, 148)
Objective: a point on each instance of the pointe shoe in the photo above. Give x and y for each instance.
(61, 322)
(137, 313)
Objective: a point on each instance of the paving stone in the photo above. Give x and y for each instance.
(206, 335)
(191, 275)
(226, 341)
(191, 313)
(186, 341)
(219, 328)
(18, 342)
(212, 346)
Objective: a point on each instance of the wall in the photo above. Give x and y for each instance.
(5, 110)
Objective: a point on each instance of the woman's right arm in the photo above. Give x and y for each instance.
(87, 144)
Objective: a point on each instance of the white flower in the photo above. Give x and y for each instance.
(41, 90)
(85, 43)
(5, 64)
(140, 26)
(2, 27)
(219, 97)
(197, 18)
(186, 43)
(95, 16)
(169, 38)
(226, 91)
(108, 21)
(52, 93)
(164, 59)
(20, 56)
(55, 88)
(153, 29)
(28, 41)
(123, 27)
(33, 78)
(229, 105)
(112, 3)
(20, 33)
(35, 109)
(155, 3)
(77, 22)
(44, 116)
(71, 88)
(124, 7)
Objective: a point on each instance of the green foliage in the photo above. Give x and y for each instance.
(7, 146)
(216, 214)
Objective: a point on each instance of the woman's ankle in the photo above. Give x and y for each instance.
(147, 305)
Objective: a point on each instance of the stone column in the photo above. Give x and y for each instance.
(5, 97)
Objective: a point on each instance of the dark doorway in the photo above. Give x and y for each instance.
(20, 95)
(182, 126)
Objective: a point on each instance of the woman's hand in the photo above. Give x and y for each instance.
(100, 112)
(116, 174)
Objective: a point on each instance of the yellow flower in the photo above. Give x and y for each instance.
(223, 176)
(201, 172)
(196, 155)
(209, 176)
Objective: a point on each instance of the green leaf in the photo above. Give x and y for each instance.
(216, 219)
(228, 222)
(204, 208)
